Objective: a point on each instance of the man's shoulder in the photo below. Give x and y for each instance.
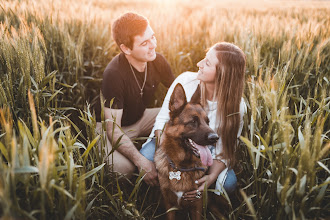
(160, 66)
(114, 66)
(159, 60)
(159, 56)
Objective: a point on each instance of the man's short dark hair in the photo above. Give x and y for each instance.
(126, 27)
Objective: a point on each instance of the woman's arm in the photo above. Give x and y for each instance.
(214, 171)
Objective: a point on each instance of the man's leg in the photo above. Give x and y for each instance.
(146, 123)
(142, 127)
(148, 151)
(119, 162)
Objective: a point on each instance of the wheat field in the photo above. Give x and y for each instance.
(53, 54)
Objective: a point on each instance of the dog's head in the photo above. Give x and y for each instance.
(189, 121)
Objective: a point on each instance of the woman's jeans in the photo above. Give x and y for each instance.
(148, 151)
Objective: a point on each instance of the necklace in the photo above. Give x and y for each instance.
(145, 78)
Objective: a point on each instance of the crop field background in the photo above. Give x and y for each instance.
(53, 54)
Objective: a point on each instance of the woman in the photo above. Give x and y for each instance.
(221, 77)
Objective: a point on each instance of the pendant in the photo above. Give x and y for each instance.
(141, 93)
(175, 175)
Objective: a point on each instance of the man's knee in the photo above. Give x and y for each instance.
(117, 162)
(147, 121)
(121, 164)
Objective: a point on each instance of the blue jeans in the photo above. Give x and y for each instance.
(148, 151)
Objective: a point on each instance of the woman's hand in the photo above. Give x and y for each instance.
(204, 182)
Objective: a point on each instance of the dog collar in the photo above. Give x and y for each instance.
(172, 164)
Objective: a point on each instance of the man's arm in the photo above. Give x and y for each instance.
(127, 148)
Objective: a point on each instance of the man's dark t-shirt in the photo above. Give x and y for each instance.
(119, 83)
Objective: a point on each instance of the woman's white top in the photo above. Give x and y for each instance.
(190, 82)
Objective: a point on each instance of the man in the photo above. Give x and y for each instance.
(131, 79)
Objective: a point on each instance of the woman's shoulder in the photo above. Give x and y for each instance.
(189, 74)
(187, 78)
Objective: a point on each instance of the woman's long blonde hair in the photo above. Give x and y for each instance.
(228, 92)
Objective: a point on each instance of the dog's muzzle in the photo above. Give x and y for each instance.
(212, 137)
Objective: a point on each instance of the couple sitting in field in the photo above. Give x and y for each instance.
(131, 79)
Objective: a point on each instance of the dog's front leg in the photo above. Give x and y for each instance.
(170, 215)
(196, 210)
(169, 202)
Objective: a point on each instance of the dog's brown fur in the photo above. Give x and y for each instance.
(187, 120)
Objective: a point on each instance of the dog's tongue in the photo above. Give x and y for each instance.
(205, 155)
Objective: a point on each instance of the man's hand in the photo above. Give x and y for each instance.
(151, 177)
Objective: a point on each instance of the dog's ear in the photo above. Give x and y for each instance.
(196, 98)
(178, 99)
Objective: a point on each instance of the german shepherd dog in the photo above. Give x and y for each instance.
(182, 156)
